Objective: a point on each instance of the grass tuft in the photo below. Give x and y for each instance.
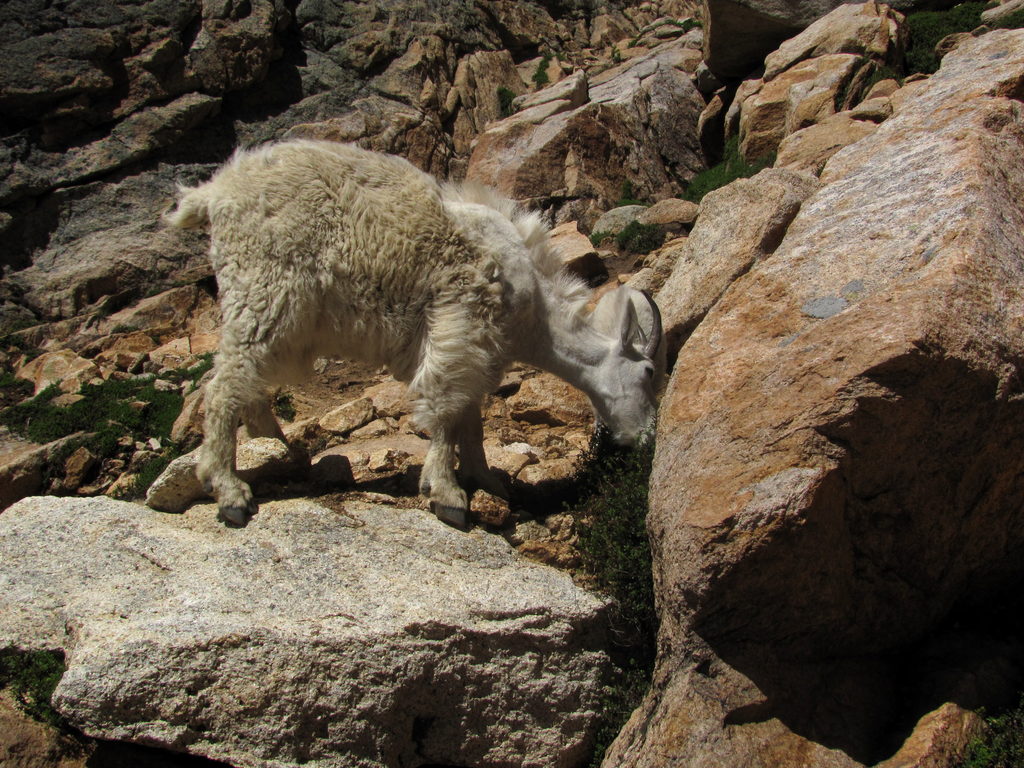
(732, 167)
(640, 238)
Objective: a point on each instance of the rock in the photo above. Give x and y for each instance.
(801, 96)
(1001, 11)
(546, 399)
(77, 466)
(875, 110)
(940, 738)
(479, 77)
(126, 351)
(617, 219)
(883, 88)
(258, 460)
(348, 417)
(387, 125)
(824, 491)
(810, 148)
(577, 253)
(610, 28)
(671, 214)
(240, 645)
(389, 398)
(738, 34)
(62, 367)
(706, 80)
(869, 29)
(21, 471)
(633, 128)
(738, 225)
(107, 241)
(569, 93)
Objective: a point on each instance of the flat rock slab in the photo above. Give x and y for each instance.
(362, 636)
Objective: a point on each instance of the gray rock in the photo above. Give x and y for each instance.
(617, 219)
(356, 636)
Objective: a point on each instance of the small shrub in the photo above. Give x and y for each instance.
(596, 238)
(31, 677)
(1002, 746)
(505, 98)
(640, 238)
(12, 389)
(616, 55)
(732, 167)
(927, 28)
(611, 510)
(147, 473)
(284, 406)
(686, 24)
(540, 76)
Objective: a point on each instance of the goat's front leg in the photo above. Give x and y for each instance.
(473, 470)
(438, 483)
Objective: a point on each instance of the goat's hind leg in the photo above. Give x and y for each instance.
(233, 390)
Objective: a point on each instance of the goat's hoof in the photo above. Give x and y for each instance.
(456, 517)
(235, 516)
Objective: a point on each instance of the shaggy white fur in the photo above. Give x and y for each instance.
(325, 249)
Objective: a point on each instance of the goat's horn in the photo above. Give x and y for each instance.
(654, 337)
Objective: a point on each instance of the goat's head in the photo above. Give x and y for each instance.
(627, 378)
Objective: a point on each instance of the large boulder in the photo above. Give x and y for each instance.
(815, 74)
(839, 469)
(358, 635)
(740, 33)
(638, 125)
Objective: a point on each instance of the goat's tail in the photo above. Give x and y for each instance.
(192, 210)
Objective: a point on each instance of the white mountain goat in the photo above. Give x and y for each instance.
(325, 249)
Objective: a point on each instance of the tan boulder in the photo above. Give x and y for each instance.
(348, 417)
(738, 225)
(671, 214)
(801, 96)
(632, 128)
(479, 77)
(21, 471)
(546, 399)
(869, 29)
(810, 148)
(578, 255)
(832, 478)
(63, 367)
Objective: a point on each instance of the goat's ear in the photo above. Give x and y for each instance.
(607, 315)
(630, 332)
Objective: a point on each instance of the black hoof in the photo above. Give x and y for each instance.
(233, 517)
(457, 517)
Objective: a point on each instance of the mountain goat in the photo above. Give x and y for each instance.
(325, 249)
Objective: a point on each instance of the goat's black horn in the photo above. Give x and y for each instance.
(654, 337)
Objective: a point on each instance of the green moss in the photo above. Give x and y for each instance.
(31, 677)
(640, 238)
(732, 167)
(927, 28)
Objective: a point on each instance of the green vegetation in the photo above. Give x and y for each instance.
(616, 55)
(1014, 20)
(927, 28)
(540, 76)
(1002, 746)
(686, 24)
(505, 98)
(284, 406)
(596, 238)
(31, 677)
(611, 509)
(640, 238)
(627, 196)
(732, 167)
